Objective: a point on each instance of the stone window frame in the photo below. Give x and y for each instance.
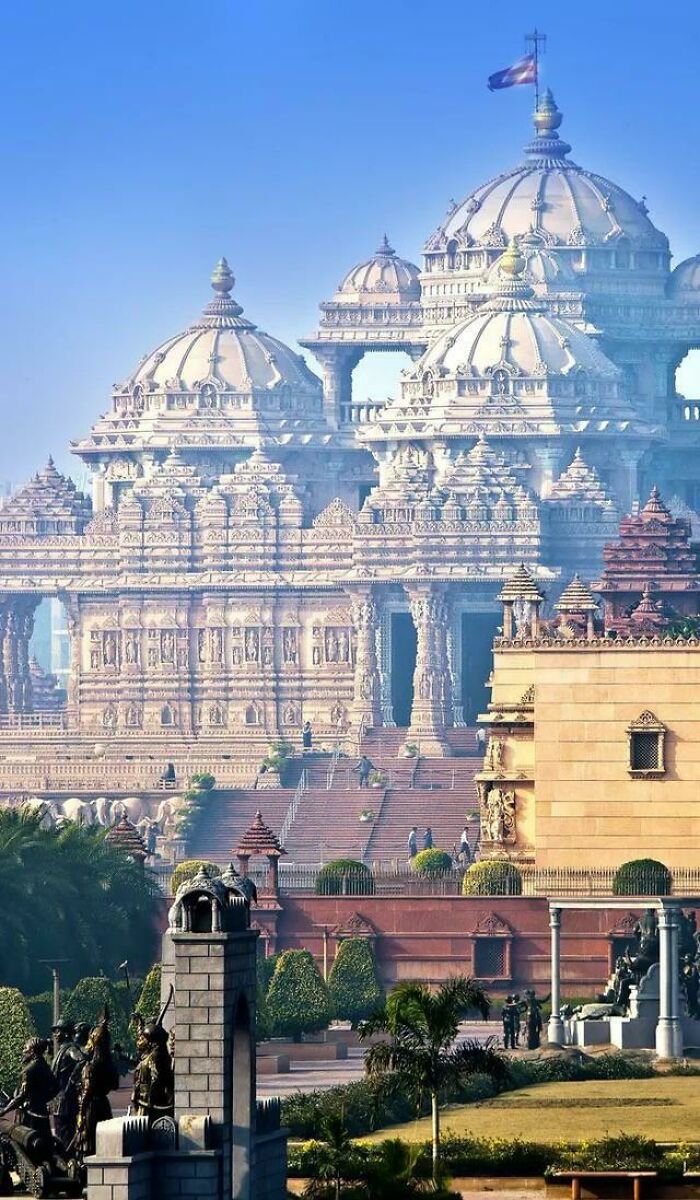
(490, 926)
(646, 723)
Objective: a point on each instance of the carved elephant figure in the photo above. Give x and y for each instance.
(168, 809)
(101, 807)
(116, 812)
(78, 811)
(47, 809)
(133, 807)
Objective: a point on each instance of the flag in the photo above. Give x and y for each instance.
(524, 71)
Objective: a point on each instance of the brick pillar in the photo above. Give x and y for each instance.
(213, 954)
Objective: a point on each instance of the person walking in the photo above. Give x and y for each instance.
(428, 839)
(413, 842)
(307, 737)
(480, 739)
(363, 769)
(465, 853)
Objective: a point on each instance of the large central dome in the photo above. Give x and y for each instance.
(548, 196)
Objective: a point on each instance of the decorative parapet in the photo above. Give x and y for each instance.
(597, 643)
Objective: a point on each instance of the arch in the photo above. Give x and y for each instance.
(243, 1103)
(167, 715)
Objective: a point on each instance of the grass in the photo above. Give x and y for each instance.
(666, 1108)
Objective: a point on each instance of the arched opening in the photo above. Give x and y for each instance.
(243, 1051)
(404, 646)
(375, 380)
(49, 657)
(688, 379)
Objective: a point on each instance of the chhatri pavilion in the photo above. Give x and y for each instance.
(262, 547)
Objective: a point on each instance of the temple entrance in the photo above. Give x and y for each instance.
(478, 632)
(49, 657)
(404, 645)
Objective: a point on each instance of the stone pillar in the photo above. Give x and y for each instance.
(454, 661)
(669, 1031)
(338, 363)
(18, 631)
(555, 1028)
(4, 613)
(366, 704)
(431, 680)
(629, 480)
(213, 954)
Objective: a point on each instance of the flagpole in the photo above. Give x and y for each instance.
(536, 37)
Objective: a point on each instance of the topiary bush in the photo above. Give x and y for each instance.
(148, 1003)
(492, 877)
(432, 862)
(297, 998)
(345, 877)
(642, 877)
(354, 985)
(187, 870)
(203, 781)
(17, 1027)
(87, 1002)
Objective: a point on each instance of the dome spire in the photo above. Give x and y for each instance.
(222, 310)
(547, 148)
(512, 293)
(386, 250)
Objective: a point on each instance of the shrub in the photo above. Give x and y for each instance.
(17, 1026)
(642, 877)
(276, 760)
(432, 862)
(492, 877)
(353, 983)
(189, 868)
(297, 999)
(87, 1002)
(627, 1152)
(345, 877)
(203, 781)
(265, 969)
(148, 1003)
(41, 1009)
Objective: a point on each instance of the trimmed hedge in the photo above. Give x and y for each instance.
(297, 998)
(492, 877)
(432, 862)
(87, 1001)
(345, 877)
(17, 1027)
(203, 781)
(642, 877)
(189, 868)
(41, 1008)
(148, 1003)
(354, 985)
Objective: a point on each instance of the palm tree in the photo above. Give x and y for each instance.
(336, 1156)
(422, 1028)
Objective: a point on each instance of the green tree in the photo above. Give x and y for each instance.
(17, 1027)
(422, 1028)
(187, 870)
(297, 999)
(354, 985)
(345, 877)
(101, 910)
(148, 1004)
(88, 1000)
(492, 877)
(336, 1158)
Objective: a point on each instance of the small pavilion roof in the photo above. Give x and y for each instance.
(125, 836)
(521, 586)
(259, 839)
(576, 598)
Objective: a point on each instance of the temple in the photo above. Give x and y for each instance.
(263, 547)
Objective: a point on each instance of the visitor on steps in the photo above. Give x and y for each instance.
(465, 853)
(413, 842)
(428, 839)
(480, 739)
(306, 737)
(363, 769)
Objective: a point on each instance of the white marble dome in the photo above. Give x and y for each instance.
(685, 280)
(384, 277)
(551, 197)
(514, 332)
(222, 352)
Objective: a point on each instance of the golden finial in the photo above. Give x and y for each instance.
(512, 262)
(222, 279)
(547, 116)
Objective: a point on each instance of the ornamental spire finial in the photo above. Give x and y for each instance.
(222, 279)
(386, 250)
(547, 117)
(512, 261)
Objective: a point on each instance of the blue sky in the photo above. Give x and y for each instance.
(140, 141)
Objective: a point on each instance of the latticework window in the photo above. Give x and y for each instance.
(646, 745)
(644, 752)
(490, 958)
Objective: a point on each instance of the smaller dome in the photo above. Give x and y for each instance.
(545, 270)
(684, 283)
(392, 279)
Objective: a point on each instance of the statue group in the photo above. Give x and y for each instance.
(632, 966)
(525, 1012)
(74, 1091)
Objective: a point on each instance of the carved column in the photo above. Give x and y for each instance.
(26, 629)
(338, 364)
(432, 698)
(4, 614)
(366, 704)
(17, 634)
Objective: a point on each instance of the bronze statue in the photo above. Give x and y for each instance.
(66, 1065)
(533, 1019)
(154, 1079)
(98, 1077)
(38, 1086)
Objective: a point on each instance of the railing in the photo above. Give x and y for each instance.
(345, 779)
(292, 810)
(35, 720)
(268, 1115)
(361, 412)
(685, 411)
(24, 772)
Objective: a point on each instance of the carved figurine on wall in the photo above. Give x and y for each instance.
(289, 646)
(167, 647)
(132, 649)
(494, 754)
(252, 645)
(109, 649)
(499, 817)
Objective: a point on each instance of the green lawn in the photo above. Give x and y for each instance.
(665, 1108)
